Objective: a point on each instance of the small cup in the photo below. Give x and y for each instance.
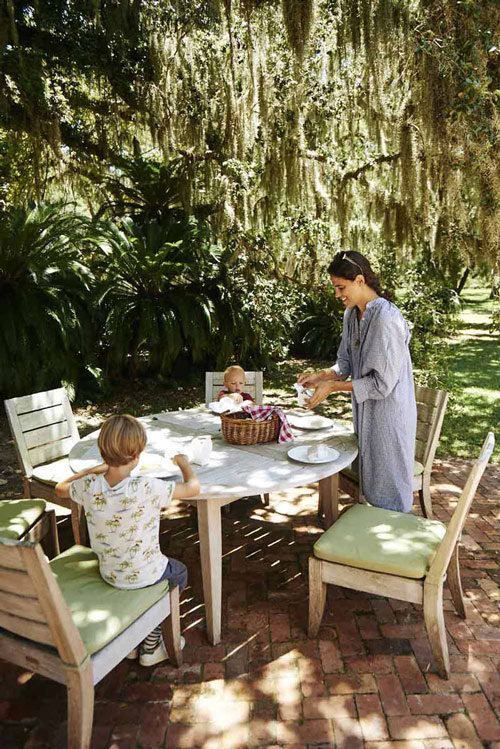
(201, 449)
(303, 395)
(317, 452)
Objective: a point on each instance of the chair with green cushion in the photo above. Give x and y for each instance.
(431, 407)
(398, 555)
(61, 620)
(30, 520)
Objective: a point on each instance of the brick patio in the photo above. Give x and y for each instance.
(368, 680)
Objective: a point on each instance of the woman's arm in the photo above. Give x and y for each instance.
(62, 488)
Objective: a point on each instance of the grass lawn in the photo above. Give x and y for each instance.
(474, 379)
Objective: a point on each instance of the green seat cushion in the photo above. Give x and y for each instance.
(17, 515)
(99, 611)
(418, 469)
(370, 538)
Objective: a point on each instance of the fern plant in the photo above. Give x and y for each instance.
(152, 293)
(45, 328)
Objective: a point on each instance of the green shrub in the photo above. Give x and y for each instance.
(319, 324)
(432, 312)
(260, 312)
(151, 284)
(45, 327)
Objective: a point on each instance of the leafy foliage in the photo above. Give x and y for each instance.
(495, 320)
(151, 278)
(432, 313)
(319, 325)
(45, 328)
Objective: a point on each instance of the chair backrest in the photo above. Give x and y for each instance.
(32, 605)
(431, 407)
(43, 427)
(214, 381)
(443, 555)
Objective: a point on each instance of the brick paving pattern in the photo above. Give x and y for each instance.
(367, 680)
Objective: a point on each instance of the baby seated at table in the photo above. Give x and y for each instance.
(234, 383)
(123, 517)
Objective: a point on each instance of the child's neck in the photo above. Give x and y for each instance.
(115, 474)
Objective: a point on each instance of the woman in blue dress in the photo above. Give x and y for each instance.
(374, 365)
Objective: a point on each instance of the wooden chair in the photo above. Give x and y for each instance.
(30, 520)
(214, 382)
(64, 622)
(44, 432)
(397, 555)
(431, 407)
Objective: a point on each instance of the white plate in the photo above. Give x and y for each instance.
(309, 422)
(300, 453)
(154, 466)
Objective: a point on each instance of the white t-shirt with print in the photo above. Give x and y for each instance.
(124, 526)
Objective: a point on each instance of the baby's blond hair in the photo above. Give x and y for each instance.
(121, 440)
(234, 369)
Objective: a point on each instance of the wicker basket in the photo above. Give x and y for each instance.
(240, 429)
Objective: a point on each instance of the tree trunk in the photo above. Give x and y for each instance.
(463, 280)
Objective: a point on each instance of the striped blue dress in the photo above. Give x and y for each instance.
(374, 352)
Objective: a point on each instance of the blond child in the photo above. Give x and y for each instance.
(123, 516)
(234, 383)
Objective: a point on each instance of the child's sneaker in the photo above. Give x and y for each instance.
(158, 655)
(134, 654)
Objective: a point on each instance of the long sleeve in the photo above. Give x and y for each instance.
(342, 367)
(384, 352)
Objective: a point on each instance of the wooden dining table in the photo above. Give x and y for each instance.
(234, 472)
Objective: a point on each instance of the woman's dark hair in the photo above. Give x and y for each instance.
(351, 264)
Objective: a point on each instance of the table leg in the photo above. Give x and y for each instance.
(329, 498)
(210, 533)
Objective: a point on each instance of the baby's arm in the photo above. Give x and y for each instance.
(62, 488)
(191, 485)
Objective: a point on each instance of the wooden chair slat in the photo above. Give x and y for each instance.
(423, 431)
(51, 452)
(426, 414)
(33, 657)
(35, 631)
(47, 435)
(12, 581)
(45, 417)
(428, 396)
(420, 447)
(21, 605)
(36, 401)
(11, 558)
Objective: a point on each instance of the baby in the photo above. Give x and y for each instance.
(234, 382)
(123, 517)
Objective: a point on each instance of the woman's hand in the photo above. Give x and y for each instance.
(321, 392)
(309, 379)
(313, 379)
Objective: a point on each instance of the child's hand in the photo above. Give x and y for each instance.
(180, 459)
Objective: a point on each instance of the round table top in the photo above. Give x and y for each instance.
(233, 471)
